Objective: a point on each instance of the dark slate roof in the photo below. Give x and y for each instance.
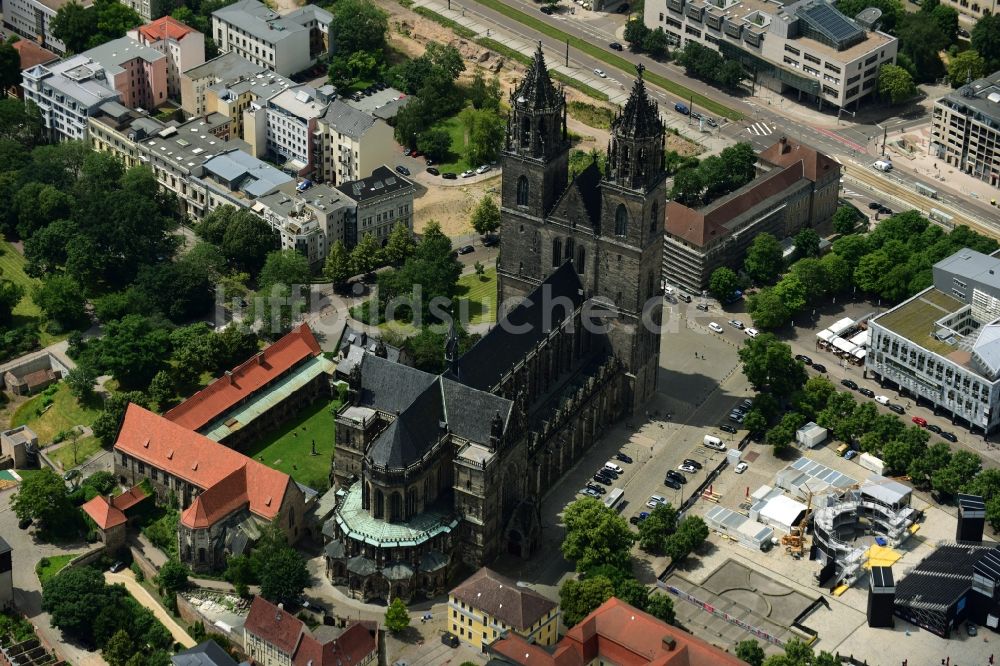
(582, 193)
(501, 348)
(881, 576)
(536, 90)
(641, 116)
(207, 653)
(382, 181)
(470, 412)
(413, 432)
(390, 386)
(941, 579)
(989, 565)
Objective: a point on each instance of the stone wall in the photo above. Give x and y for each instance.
(145, 566)
(190, 614)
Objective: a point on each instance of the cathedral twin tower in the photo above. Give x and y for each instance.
(609, 225)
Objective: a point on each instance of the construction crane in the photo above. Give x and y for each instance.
(794, 541)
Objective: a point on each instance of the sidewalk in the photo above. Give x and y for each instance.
(127, 578)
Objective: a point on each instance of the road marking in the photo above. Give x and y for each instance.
(760, 129)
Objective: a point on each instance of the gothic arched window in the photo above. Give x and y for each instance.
(556, 251)
(569, 249)
(655, 213)
(621, 221)
(581, 256)
(525, 132)
(522, 191)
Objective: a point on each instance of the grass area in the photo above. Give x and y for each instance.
(517, 56)
(26, 311)
(590, 115)
(48, 567)
(399, 328)
(290, 447)
(481, 295)
(86, 448)
(610, 58)
(64, 412)
(456, 157)
(454, 26)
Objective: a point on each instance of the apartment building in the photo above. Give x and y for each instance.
(974, 9)
(486, 606)
(183, 46)
(943, 345)
(30, 55)
(352, 144)
(149, 10)
(806, 46)
(308, 222)
(194, 82)
(32, 19)
(796, 187)
(138, 72)
(283, 126)
(67, 94)
(966, 131)
(383, 201)
(234, 97)
(284, 44)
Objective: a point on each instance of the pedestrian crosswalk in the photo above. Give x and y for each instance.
(760, 129)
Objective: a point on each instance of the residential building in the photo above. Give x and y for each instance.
(138, 72)
(183, 46)
(310, 221)
(352, 144)
(285, 44)
(259, 394)
(110, 516)
(966, 131)
(275, 637)
(974, 9)
(32, 19)
(31, 55)
(149, 10)
(206, 653)
(225, 497)
(486, 606)
(383, 201)
(229, 66)
(18, 448)
(796, 187)
(616, 633)
(943, 345)
(6, 576)
(284, 125)
(67, 94)
(233, 98)
(804, 46)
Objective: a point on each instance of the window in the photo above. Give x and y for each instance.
(556, 251)
(811, 58)
(621, 221)
(792, 49)
(653, 215)
(522, 191)
(831, 67)
(581, 255)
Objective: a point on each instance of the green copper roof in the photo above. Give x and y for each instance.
(358, 524)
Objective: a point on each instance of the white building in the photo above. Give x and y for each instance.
(308, 222)
(68, 93)
(184, 47)
(805, 45)
(943, 345)
(383, 201)
(967, 129)
(285, 44)
(32, 19)
(352, 144)
(284, 125)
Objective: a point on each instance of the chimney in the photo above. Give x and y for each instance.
(669, 643)
(260, 358)
(229, 376)
(784, 145)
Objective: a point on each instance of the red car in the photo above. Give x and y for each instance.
(922, 422)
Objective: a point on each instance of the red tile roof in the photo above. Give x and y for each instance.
(274, 625)
(203, 463)
(234, 387)
(167, 26)
(103, 513)
(129, 498)
(815, 164)
(621, 634)
(32, 54)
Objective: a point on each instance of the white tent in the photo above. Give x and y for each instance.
(782, 513)
(841, 325)
(862, 338)
(859, 354)
(844, 346)
(824, 335)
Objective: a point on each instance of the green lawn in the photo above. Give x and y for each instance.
(289, 448)
(86, 448)
(52, 566)
(64, 413)
(481, 293)
(456, 159)
(611, 59)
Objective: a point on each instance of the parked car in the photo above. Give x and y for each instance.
(896, 408)
(751, 332)
(736, 323)
(468, 173)
(547, 9)
(971, 629)
(690, 469)
(433, 171)
(600, 73)
(715, 327)
(874, 205)
(920, 421)
(402, 169)
(696, 115)
(117, 566)
(736, 417)
(483, 168)
(850, 455)
(934, 429)
(407, 151)
(747, 403)
(624, 458)
(589, 493)
(740, 468)
(725, 427)
(617, 469)
(819, 367)
(491, 240)
(615, 46)
(713, 442)
(655, 501)
(450, 639)
(601, 479)
(670, 483)
(70, 475)
(711, 122)
(596, 488)
(466, 249)
(449, 175)
(949, 436)
(867, 392)
(805, 359)
(849, 384)
(676, 476)
(692, 462)
(882, 400)
(885, 210)
(703, 307)
(623, 8)
(635, 520)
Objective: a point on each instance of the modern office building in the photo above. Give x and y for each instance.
(804, 45)
(138, 72)
(227, 67)
(183, 46)
(966, 131)
(68, 93)
(796, 187)
(285, 44)
(32, 19)
(943, 345)
(383, 201)
(352, 144)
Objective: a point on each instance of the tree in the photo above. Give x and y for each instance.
(42, 497)
(767, 309)
(247, 240)
(172, 577)
(723, 284)
(846, 219)
(283, 576)
(768, 365)
(595, 535)
(337, 268)
(690, 534)
(657, 528)
(358, 25)
(435, 142)
(366, 255)
(807, 243)
(73, 25)
(579, 598)
(482, 93)
(284, 267)
(635, 34)
(920, 41)
(134, 349)
(986, 40)
(966, 67)
(755, 422)
(240, 572)
(791, 292)
(81, 380)
(763, 262)
(895, 84)
(75, 596)
(119, 648)
(11, 294)
(108, 422)
(486, 217)
(750, 651)
(923, 469)
(661, 606)
(400, 245)
(485, 130)
(962, 467)
(655, 42)
(10, 66)
(61, 298)
(397, 618)
(688, 186)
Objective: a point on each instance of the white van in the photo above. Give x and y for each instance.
(751, 332)
(713, 442)
(613, 467)
(882, 400)
(883, 165)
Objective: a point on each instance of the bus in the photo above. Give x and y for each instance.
(613, 499)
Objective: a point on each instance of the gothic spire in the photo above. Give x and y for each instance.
(536, 91)
(641, 116)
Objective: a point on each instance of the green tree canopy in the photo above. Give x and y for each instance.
(108, 422)
(750, 651)
(134, 349)
(769, 366)
(337, 267)
(578, 598)
(764, 262)
(895, 84)
(657, 528)
(486, 216)
(42, 497)
(435, 142)
(723, 283)
(172, 577)
(397, 618)
(966, 67)
(61, 298)
(846, 220)
(986, 40)
(358, 25)
(596, 535)
(768, 309)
